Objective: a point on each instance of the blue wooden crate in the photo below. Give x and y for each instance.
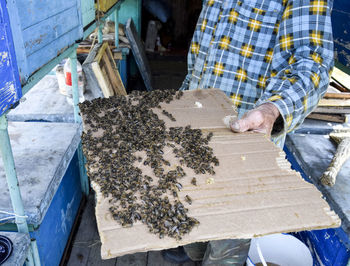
(10, 88)
(42, 29)
(54, 231)
(88, 11)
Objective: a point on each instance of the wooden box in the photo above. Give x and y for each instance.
(104, 5)
(41, 30)
(10, 88)
(87, 11)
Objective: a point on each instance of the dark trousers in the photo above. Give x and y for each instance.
(219, 252)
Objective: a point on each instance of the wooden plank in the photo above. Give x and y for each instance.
(114, 73)
(334, 102)
(101, 52)
(110, 72)
(102, 64)
(92, 83)
(137, 259)
(341, 95)
(327, 117)
(85, 236)
(341, 77)
(106, 78)
(155, 258)
(107, 92)
(83, 50)
(139, 54)
(105, 5)
(338, 86)
(332, 110)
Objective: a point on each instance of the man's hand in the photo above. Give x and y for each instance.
(260, 119)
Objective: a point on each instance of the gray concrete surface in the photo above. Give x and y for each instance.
(42, 152)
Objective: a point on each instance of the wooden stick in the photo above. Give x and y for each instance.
(340, 157)
(331, 95)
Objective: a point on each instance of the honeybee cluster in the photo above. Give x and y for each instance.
(117, 131)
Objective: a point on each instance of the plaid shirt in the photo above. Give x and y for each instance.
(259, 51)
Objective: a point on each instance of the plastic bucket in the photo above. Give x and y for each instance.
(280, 249)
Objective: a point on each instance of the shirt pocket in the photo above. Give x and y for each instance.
(266, 14)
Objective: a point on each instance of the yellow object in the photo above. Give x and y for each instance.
(104, 5)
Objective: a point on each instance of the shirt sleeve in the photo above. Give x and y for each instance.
(302, 61)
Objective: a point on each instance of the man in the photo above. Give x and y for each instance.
(273, 58)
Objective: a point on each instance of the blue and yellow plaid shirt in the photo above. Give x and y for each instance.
(259, 51)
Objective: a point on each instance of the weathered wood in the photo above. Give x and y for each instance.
(341, 77)
(101, 52)
(332, 110)
(85, 237)
(83, 50)
(334, 102)
(113, 73)
(101, 62)
(341, 95)
(340, 157)
(92, 83)
(105, 5)
(107, 91)
(137, 259)
(338, 86)
(338, 118)
(41, 33)
(139, 54)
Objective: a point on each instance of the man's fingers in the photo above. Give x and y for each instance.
(252, 120)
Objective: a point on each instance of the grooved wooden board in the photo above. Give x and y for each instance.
(254, 192)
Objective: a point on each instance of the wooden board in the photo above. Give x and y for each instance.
(101, 70)
(340, 95)
(42, 30)
(139, 53)
(341, 77)
(338, 118)
(104, 5)
(91, 82)
(253, 193)
(332, 110)
(334, 102)
(10, 87)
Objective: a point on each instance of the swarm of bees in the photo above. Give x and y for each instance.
(118, 128)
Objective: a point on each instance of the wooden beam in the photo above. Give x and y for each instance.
(334, 102)
(341, 77)
(331, 95)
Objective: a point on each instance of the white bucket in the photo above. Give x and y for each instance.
(280, 249)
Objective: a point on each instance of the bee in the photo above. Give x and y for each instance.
(194, 181)
(188, 199)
